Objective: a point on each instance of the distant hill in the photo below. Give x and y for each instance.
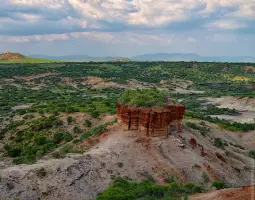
(10, 57)
(167, 57)
(78, 58)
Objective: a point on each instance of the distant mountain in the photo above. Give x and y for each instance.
(78, 58)
(191, 57)
(167, 57)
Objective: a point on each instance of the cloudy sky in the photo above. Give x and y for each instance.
(128, 27)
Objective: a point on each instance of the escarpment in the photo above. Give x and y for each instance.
(151, 121)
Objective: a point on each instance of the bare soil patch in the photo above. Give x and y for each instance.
(29, 78)
(238, 103)
(249, 68)
(226, 194)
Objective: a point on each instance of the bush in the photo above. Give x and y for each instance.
(67, 137)
(87, 123)
(95, 114)
(252, 154)
(218, 143)
(58, 137)
(77, 130)
(69, 119)
(12, 151)
(218, 184)
(170, 179)
(40, 139)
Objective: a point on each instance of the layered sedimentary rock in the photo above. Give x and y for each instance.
(151, 121)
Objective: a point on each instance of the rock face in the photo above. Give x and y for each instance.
(151, 121)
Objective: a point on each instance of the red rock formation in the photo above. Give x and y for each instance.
(151, 121)
(193, 143)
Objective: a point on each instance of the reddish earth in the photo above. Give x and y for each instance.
(11, 56)
(151, 121)
(244, 193)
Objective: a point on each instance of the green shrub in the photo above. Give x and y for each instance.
(40, 139)
(145, 190)
(97, 130)
(87, 123)
(77, 129)
(67, 137)
(69, 119)
(252, 154)
(170, 179)
(95, 114)
(69, 148)
(12, 151)
(218, 143)
(218, 184)
(58, 137)
(202, 129)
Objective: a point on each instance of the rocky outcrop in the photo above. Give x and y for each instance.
(151, 121)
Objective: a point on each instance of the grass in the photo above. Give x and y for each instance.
(27, 60)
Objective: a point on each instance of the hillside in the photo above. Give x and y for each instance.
(10, 57)
(59, 137)
(190, 157)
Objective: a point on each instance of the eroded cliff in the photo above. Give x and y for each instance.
(151, 121)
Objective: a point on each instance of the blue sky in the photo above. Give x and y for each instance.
(128, 27)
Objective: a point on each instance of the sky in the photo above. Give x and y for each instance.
(128, 27)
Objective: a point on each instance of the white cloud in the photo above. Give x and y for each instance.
(98, 36)
(226, 24)
(31, 18)
(222, 37)
(24, 39)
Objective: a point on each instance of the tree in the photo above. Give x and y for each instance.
(69, 119)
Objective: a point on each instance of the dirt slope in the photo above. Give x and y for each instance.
(227, 194)
(123, 153)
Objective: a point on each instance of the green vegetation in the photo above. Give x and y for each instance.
(28, 135)
(34, 141)
(147, 190)
(232, 126)
(69, 119)
(202, 129)
(218, 184)
(27, 60)
(218, 143)
(87, 123)
(143, 98)
(97, 130)
(252, 154)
